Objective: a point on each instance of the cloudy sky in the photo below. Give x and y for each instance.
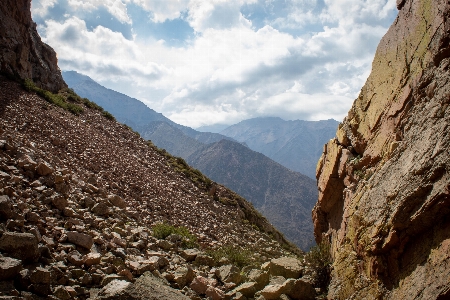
(204, 62)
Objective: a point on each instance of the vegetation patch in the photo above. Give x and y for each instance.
(319, 259)
(163, 230)
(235, 255)
(66, 99)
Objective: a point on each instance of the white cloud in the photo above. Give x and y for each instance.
(40, 7)
(230, 71)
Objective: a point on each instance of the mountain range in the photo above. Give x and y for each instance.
(209, 152)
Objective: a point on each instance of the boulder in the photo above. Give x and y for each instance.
(183, 276)
(288, 267)
(6, 207)
(92, 259)
(229, 273)
(248, 289)
(189, 254)
(80, 239)
(40, 276)
(260, 277)
(44, 169)
(117, 201)
(199, 285)
(9, 268)
(146, 287)
(59, 201)
(214, 293)
(302, 290)
(23, 246)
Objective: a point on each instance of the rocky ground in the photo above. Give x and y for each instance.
(79, 199)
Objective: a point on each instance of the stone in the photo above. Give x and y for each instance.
(80, 239)
(248, 289)
(59, 201)
(189, 254)
(199, 285)
(272, 291)
(260, 277)
(288, 267)
(109, 278)
(214, 293)
(75, 258)
(229, 273)
(302, 290)
(92, 259)
(117, 201)
(146, 287)
(23, 246)
(204, 260)
(40, 276)
(44, 169)
(6, 207)
(9, 268)
(101, 209)
(62, 293)
(166, 245)
(183, 276)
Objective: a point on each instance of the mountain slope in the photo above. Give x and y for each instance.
(297, 145)
(384, 193)
(128, 110)
(283, 196)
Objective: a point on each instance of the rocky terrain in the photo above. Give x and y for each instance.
(284, 197)
(82, 202)
(296, 144)
(384, 181)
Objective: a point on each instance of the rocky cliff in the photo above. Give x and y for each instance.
(384, 181)
(22, 53)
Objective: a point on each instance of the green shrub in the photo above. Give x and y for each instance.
(319, 258)
(55, 99)
(235, 255)
(163, 230)
(108, 115)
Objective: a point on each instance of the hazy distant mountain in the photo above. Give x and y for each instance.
(285, 197)
(296, 145)
(128, 110)
(212, 128)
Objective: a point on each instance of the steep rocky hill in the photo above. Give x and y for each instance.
(285, 197)
(297, 144)
(384, 181)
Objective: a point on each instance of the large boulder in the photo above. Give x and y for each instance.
(9, 268)
(146, 287)
(229, 273)
(23, 246)
(288, 267)
(80, 239)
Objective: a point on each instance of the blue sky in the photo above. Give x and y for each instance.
(222, 61)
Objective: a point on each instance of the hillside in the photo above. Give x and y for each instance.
(297, 145)
(191, 145)
(384, 181)
(285, 197)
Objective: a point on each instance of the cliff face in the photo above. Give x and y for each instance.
(22, 53)
(384, 181)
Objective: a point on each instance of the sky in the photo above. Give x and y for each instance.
(206, 62)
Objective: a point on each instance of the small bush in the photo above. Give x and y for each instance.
(55, 99)
(163, 230)
(319, 258)
(109, 116)
(236, 255)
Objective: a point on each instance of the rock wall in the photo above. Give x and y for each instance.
(22, 53)
(384, 181)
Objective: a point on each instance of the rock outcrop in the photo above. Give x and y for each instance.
(384, 181)
(22, 53)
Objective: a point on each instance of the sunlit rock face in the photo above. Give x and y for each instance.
(22, 53)
(384, 180)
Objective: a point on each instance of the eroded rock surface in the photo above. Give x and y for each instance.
(384, 181)
(22, 53)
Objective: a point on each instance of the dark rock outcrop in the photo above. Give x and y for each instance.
(384, 181)
(22, 53)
